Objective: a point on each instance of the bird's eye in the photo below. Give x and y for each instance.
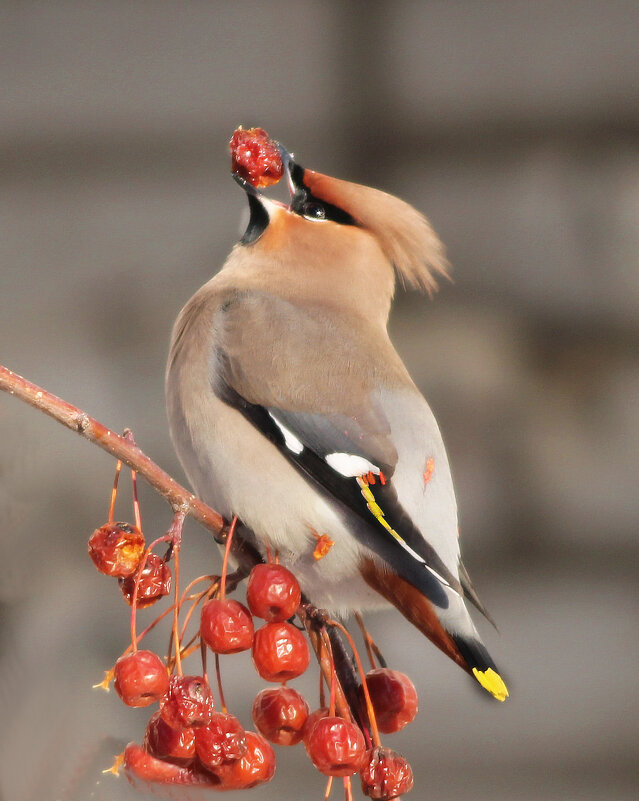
(314, 211)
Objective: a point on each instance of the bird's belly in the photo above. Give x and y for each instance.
(238, 471)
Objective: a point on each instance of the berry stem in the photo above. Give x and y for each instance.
(369, 705)
(322, 690)
(218, 675)
(195, 602)
(136, 502)
(371, 646)
(329, 785)
(114, 491)
(174, 534)
(128, 434)
(348, 790)
(134, 597)
(227, 550)
(313, 623)
(329, 648)
(203, 657)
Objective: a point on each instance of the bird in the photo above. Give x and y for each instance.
(290, 408)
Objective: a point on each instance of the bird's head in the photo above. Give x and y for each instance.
(359, 229)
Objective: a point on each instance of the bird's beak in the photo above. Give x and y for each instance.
(293, 171)
(246, 186)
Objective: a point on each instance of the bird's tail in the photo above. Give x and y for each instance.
(451, 629)
(480, 664)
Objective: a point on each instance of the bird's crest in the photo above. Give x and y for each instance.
(405, 236)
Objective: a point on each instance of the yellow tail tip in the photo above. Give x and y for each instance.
(493, 682)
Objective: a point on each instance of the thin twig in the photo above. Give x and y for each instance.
(111, 442)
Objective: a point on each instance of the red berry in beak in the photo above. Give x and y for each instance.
(255, 157)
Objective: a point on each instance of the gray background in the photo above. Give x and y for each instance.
(515, 127)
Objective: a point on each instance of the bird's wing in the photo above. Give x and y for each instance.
(300, 376)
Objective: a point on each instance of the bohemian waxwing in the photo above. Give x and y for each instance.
(290, 408)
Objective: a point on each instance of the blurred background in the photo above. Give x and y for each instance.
(515, 127)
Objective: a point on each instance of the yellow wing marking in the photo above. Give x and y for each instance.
(376, 510)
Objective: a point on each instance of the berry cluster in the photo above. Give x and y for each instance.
(190, 742)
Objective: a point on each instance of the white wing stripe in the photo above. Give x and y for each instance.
(350, 465)
(290, 440)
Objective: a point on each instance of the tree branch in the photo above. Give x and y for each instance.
(70, 416)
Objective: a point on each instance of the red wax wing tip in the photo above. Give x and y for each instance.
(255, 157)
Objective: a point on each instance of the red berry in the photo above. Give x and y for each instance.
(311, 720)
(189, 702)
(394, 699)
(336, 747)
(145, 771)
(255, 157)
(160, 740)
(272, 593)
(226, 626)
(116, 549)
(155, 582)
(280, 715)
(222, 740)
(140, 678)
(280, 652)
(255, 767)
(385, 774)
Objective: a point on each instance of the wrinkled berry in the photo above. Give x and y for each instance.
(226, 626)
(140, 678)
(272, 593)
(280, 652)
(116, 549)
(280, 715)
